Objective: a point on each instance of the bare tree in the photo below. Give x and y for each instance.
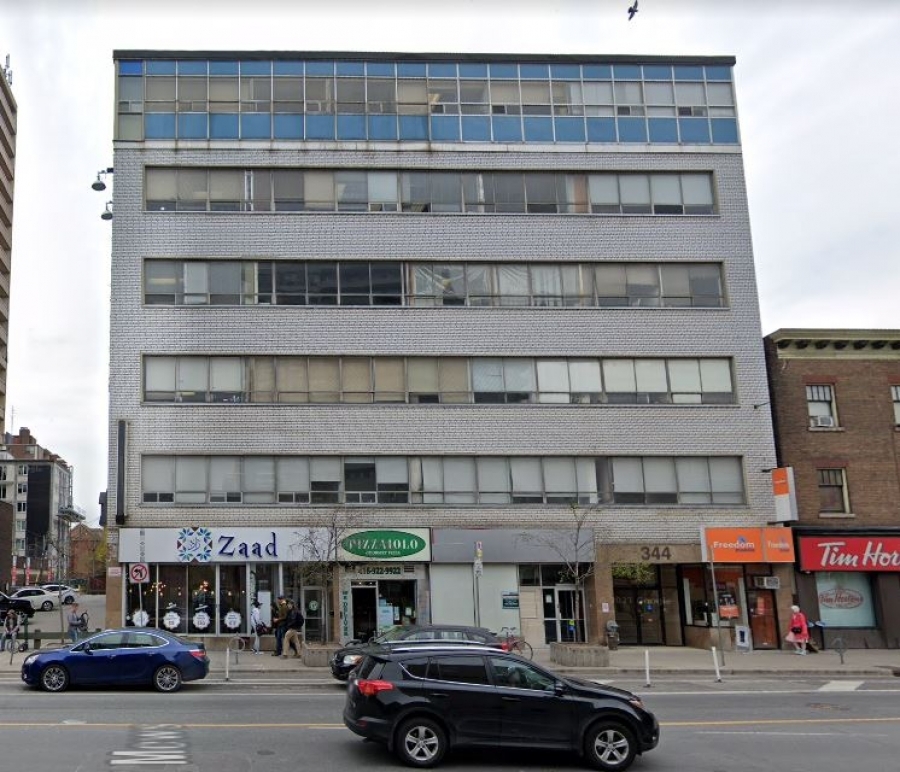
(576, 551)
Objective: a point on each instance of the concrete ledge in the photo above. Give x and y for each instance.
(318, 654)
(579, 654)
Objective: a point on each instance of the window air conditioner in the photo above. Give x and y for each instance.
(767, 582)
(824, 422)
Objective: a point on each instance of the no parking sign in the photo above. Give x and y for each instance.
(139, 573)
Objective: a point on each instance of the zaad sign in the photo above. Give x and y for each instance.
(410, 545)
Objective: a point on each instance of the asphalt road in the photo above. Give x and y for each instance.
(218, 727)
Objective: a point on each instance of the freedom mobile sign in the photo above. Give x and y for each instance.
(410, 545)
(747, 545)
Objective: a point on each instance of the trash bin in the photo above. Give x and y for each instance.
(612, 634)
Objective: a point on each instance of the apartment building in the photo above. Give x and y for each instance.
(418, 337)
(8, 111)
(836, 407)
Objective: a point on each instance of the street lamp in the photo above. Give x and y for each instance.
(107, 213)
(99, 184)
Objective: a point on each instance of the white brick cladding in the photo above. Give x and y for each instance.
(429, 429)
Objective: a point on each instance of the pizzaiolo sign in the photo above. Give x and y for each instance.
(386, 545)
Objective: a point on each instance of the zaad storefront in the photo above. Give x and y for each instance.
(383, 580)
(850, 582)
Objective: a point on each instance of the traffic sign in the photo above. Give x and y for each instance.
(139, 573)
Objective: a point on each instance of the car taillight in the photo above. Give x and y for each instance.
(198, 654)
(369, 688)
(504, 645)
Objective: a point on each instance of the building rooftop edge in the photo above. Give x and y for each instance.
(829, 333)
(428, 57)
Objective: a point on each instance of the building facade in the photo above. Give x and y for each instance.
(836, 408)
(8, 111)
(415, 337)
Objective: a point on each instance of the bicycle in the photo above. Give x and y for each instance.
(513, 642)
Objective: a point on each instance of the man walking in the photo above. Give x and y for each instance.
(10, 629)
(280, 623)
(293, 636)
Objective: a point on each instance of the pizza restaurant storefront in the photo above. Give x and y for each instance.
(850, 581)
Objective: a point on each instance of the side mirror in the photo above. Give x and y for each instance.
(83, 647)
(559, 688)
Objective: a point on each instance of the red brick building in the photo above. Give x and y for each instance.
(85, 560)
(835, 399)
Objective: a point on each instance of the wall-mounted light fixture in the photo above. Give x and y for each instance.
(107, 213)
(99, 184)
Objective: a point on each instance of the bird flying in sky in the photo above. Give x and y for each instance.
(632, 10)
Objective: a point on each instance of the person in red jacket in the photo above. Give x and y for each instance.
(799, 633)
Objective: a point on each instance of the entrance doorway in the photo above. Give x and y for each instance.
(563, 620)
(639, 614)
(314, 612)
(365, 611)
(763, 628)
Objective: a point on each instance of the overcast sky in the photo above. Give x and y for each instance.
(817, 90)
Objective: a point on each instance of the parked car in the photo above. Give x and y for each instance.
(69, 594)
(347, 658)
(119, 658)
(38, 597)
(22, 605)
(423, 701)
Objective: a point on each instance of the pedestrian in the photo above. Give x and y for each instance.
(256, 625)
(293, 637)
(280, 623)
(10, 630)
(76, 623)
(799, 630)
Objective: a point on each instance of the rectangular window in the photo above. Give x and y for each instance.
(833, 491)
(820, 407)
(895, 396)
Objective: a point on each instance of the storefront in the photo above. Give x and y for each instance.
(202, 580)
(383, 580)
(850, 582)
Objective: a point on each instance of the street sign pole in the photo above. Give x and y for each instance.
(478, 570)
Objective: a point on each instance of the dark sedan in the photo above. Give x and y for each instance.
(422, 701)
(129, 657)
(22, 605)
(344, 660)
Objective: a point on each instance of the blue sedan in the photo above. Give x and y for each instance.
(132, 656)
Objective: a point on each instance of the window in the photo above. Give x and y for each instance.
(461, 669)
(895, 396)
(833, 491)
(519, 675)
(21, 506)
(820, 406)
(22, 489)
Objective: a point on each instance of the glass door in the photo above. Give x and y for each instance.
(314, 611)
(563, 620)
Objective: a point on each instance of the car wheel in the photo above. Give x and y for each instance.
(421, 742)
(47, 605)
(609, 746)
(54, 678)
(68, 600)
(167, 678)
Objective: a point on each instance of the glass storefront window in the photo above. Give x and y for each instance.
(202, 600)
(232, 597)
(173, 597)
(845, 599)
(700, 603)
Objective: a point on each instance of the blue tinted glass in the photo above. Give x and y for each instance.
(601, 129)
(223, 126)
(288, 126)
(632, 129)
(256, 126)
(441, 70)
(565, 72)
(444, 128)
(476, 128)
(411, 69)
(131, 68)
(627, 71)
(380, 69)
(538, 129)
(320, 127)
(657, 72)
(160, 67)
(473, 71)
(288, 68)
(254, 67)
(382, 127)
(504, 70)
(413, 127)
(569, 129)
(351, 68)
(351, 127)
(223, 68)
(159, 126)
(718, 73)
(192, 67)
(192, 126)
(688, 73)
(507, 129)
(724, 131)
(663, 130)
(320, 68)
(597, 72)
(694, 130)
(534, 71)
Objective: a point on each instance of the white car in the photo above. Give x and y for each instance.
(38, 597)
(69, 594)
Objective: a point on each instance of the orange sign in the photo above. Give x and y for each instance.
(780, 484)
(748, 545)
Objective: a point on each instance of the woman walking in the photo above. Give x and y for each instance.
(799, 634)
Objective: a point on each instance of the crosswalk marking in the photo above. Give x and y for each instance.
(841, 686)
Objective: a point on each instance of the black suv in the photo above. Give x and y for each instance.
(423, 700)
(347, 658)
(22, 605)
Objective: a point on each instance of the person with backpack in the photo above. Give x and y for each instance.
(293, 636)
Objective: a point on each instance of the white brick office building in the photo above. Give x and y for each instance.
(431, 295)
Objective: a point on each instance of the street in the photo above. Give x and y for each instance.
(810, 725)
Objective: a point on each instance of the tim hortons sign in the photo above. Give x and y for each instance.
(854, 553)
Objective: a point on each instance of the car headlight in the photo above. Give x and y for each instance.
(636, 702)
(29, 659)
(352, 659)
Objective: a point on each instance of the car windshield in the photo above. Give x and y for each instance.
(392, 634)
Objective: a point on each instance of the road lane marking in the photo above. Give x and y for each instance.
(841, 686)
(783, 721)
